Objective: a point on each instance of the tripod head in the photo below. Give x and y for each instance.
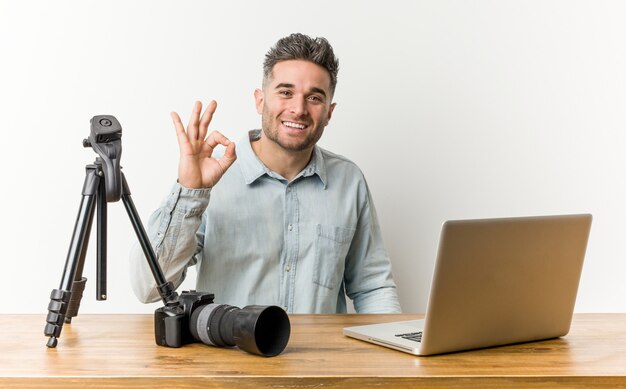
(105, 139)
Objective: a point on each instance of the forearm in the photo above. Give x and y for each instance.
(172, 230)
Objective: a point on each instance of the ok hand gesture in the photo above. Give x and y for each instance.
(197, 168)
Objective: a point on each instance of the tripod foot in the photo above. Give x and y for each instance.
(59, 300)
(52, 342)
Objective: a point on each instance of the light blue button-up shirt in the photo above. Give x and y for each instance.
(302, 245)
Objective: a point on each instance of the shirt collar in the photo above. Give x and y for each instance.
(252, 168)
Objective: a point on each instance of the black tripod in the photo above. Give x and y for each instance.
(104, 182)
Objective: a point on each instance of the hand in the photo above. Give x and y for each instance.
(197, 168)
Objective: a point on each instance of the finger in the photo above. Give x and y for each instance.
(216, 138)
(207, 116)
(229, 157)
(192, 127)
(183, 142)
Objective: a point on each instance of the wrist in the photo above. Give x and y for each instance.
(191, 185)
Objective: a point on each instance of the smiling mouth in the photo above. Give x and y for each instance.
(297, 126)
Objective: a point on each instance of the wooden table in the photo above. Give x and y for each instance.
(119, 351)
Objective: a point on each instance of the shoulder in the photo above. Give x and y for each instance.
(335, 163)
(344, 176)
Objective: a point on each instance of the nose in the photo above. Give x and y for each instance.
(298, 106)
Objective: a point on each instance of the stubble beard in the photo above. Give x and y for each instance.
(271, 131)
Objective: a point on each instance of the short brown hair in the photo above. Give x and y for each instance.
(300, 46)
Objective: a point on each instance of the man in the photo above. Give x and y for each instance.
(289, 223)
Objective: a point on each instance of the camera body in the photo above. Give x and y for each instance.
(171, 323)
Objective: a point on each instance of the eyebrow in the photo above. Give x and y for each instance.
(291, 86)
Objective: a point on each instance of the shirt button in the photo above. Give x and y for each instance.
(290, 227)
(287, 268)
(289, 189)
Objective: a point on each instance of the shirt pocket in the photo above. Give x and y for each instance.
(331, 248)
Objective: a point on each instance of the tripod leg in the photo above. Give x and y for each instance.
(166, 288)
(78, 285)
(60, 298)
(101, 242)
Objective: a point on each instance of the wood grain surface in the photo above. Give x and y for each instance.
(119, 351)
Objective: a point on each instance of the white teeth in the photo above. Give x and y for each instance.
(294, 125)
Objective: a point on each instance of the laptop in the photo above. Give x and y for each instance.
(496, 282)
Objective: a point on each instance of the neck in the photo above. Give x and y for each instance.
(287, 163)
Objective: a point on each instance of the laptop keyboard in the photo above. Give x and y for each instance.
(414, 336)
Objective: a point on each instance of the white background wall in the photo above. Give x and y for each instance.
(453, 109)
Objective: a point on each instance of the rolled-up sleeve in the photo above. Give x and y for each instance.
(368, 277)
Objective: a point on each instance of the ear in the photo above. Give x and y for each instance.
(259, 99)
(330, 112)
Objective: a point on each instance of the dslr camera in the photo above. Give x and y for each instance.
(257, 329)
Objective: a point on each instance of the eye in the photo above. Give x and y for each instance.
(284, 92)
(316, 99)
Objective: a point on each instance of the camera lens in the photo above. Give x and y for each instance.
(257, 329)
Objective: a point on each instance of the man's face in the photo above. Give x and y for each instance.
(295, 104)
